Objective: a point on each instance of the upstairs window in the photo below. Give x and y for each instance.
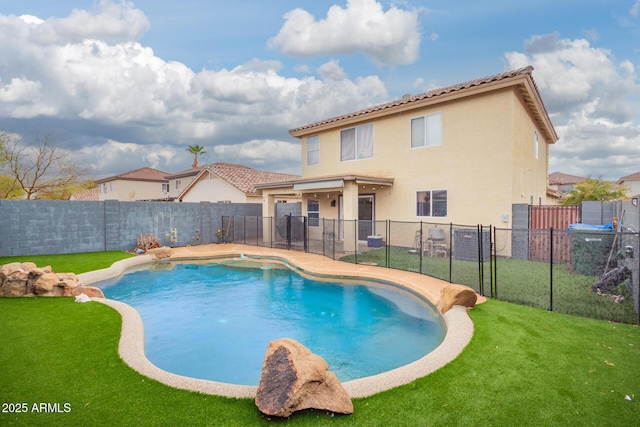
(313, 150)
(165, 188)
(356, 143)
(431, 203)
(536, 143)
(426, 131)
(178, 184)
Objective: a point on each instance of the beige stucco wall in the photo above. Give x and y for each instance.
(633, 188)
(486, 161)
(126, 190)
(184, 182)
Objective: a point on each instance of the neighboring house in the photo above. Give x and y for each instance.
(230, 183)
(563, 182)
(180, 180)
(88, 195)
(463, 154)
(140, 184)
(632, 182)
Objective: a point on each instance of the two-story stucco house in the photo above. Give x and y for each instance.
(139, 184)
(231, 183)
(462, 154)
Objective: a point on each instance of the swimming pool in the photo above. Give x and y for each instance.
(214, 320)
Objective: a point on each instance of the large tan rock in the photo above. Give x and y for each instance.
(294, 379)
(159, 253)
(453, 294)
(45, 283)
(68, 280)
(90, 291)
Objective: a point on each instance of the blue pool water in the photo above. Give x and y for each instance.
(214, 321)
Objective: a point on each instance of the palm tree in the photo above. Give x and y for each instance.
(196, 150)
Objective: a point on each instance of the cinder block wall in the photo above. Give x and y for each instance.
(36, 227)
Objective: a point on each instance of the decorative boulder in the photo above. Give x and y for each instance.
(159, 253)
(453, 294)
(26, 279)
(294, 379)
(89, 291)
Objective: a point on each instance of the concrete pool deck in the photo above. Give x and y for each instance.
(131, 345)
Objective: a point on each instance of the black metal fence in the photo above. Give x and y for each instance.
(586, 273)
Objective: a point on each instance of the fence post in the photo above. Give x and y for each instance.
(355, 240)
(421, 248)
(480, 258)
(494, 266)
(305, 233)
(551, 269)
(387, 245)
(450, 251)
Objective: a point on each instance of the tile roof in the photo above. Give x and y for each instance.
(457, 88)
(88, 195)
(241, 177)
(559, 178)
(142, 174)
(186, 172)
(632, 177)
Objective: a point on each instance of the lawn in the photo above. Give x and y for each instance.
(520, 281)
(523, 366)
(72, 263)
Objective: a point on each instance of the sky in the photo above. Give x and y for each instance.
(129, 84)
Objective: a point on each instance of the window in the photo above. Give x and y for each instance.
(165, 188)
(104, 188)
(313, 212)
(178, 184)
(426, 131)
(536, 140)
(313, 150)
(431, 203)
(356, 143)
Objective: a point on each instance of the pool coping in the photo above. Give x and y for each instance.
(131, 345)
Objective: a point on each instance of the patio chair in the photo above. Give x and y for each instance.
(436, 243)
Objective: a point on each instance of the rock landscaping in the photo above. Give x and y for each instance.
(19, 279)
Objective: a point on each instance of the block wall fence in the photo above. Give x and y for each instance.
(37, 227)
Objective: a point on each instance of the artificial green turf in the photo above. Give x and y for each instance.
(524, 366)
(72, 263)
(520, 281)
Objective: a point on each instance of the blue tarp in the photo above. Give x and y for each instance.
(591, 227)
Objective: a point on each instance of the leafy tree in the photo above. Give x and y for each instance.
(594, 190)
(38, 169)
(64, 192)
(196, 150)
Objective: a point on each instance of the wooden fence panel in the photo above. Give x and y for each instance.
(541, 219)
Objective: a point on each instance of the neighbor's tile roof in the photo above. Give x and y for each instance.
(632, 177)
(142, 174)
(245, 178)
(460, 87)
(89, 195)
(559, 178)
(186, 172)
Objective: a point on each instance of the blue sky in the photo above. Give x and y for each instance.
(132, 84)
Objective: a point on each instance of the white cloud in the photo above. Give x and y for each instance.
(389, 37)
(332, 71)
(635, 9)
(126, 107)
(110, 21)
(589, 96)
